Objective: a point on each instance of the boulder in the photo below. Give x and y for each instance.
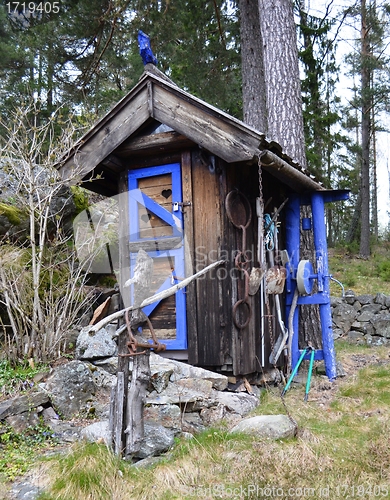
(183, 392)
(98, 432)
(167, 415)
(267, 426)
(157, 440)
(22, 404)
(97, 346)
(343, 316)
(178, 370)
(70, 387)
(365, 299)
(240, 403)
(381, 324)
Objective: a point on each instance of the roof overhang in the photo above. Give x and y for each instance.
(155, 97)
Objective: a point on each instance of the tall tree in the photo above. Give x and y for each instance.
(366, 133)
(282, 80)
(369, 64)
(252, 67)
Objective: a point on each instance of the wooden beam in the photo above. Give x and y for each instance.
(101, 144)
(154, 143)
(287, 173)
(214, 133)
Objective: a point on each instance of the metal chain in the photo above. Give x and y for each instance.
(262, 250)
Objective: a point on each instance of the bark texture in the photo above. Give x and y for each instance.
(283, 87)
(366, 134)
(254, 98)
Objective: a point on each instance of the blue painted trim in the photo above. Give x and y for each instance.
(320, 244)
(175, 219)
(318, 356)
(322, 297)
(138, 196)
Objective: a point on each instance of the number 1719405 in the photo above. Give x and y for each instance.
(31, 7)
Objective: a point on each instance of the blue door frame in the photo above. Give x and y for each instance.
(174, 218)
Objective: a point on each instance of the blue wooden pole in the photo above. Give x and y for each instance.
(320, 244)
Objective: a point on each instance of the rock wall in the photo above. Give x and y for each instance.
(362, 318)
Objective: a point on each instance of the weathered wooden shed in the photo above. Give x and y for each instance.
(190, 179)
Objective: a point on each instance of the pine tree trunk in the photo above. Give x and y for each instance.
(283, 86)
(252, 67)
(366, 126)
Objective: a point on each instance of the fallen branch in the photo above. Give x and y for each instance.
(154, 298)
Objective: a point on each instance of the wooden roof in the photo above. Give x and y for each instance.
(157, 100)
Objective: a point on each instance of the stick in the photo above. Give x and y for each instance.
(154, 298)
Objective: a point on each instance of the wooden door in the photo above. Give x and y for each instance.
(156, 225)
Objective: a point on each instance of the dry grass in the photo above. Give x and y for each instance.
(343, 440)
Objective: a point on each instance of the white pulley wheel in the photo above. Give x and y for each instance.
(304, 277)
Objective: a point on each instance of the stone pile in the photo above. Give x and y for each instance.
(362, 318)
(181, 400)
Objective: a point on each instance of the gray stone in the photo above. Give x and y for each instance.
(365, 316)
(25, 490)
(350, 297)
(192, 423)
(213, 415)
(102, 378)
(100, 345)
(387, 303)
(365, 327)
(22, 404)
(337, 333)
(70, 387)
(365, 299)
(157, 440)
(98, 432)
(380, 298)
(343, 316)
(267, 426)
(373, 308)
(66, 432)
(168, 416)
(179, 370)
(335, 301)
(160, 372)
(49, 414)
(110, 365)
(240, 403)
(23, 421)
(354, 336)
(182, 392)
(376, 340)
(381, 324)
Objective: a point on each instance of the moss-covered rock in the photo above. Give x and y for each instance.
(12, 213)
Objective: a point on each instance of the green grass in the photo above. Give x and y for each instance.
(362, 276)
(18, 378)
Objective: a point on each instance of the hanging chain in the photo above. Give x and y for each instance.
(268, 314)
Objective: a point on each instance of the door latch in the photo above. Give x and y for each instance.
(181, 204)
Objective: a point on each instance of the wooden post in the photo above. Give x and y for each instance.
(126, 422)
(135, 404)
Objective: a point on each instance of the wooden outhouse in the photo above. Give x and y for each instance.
(195, 186)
